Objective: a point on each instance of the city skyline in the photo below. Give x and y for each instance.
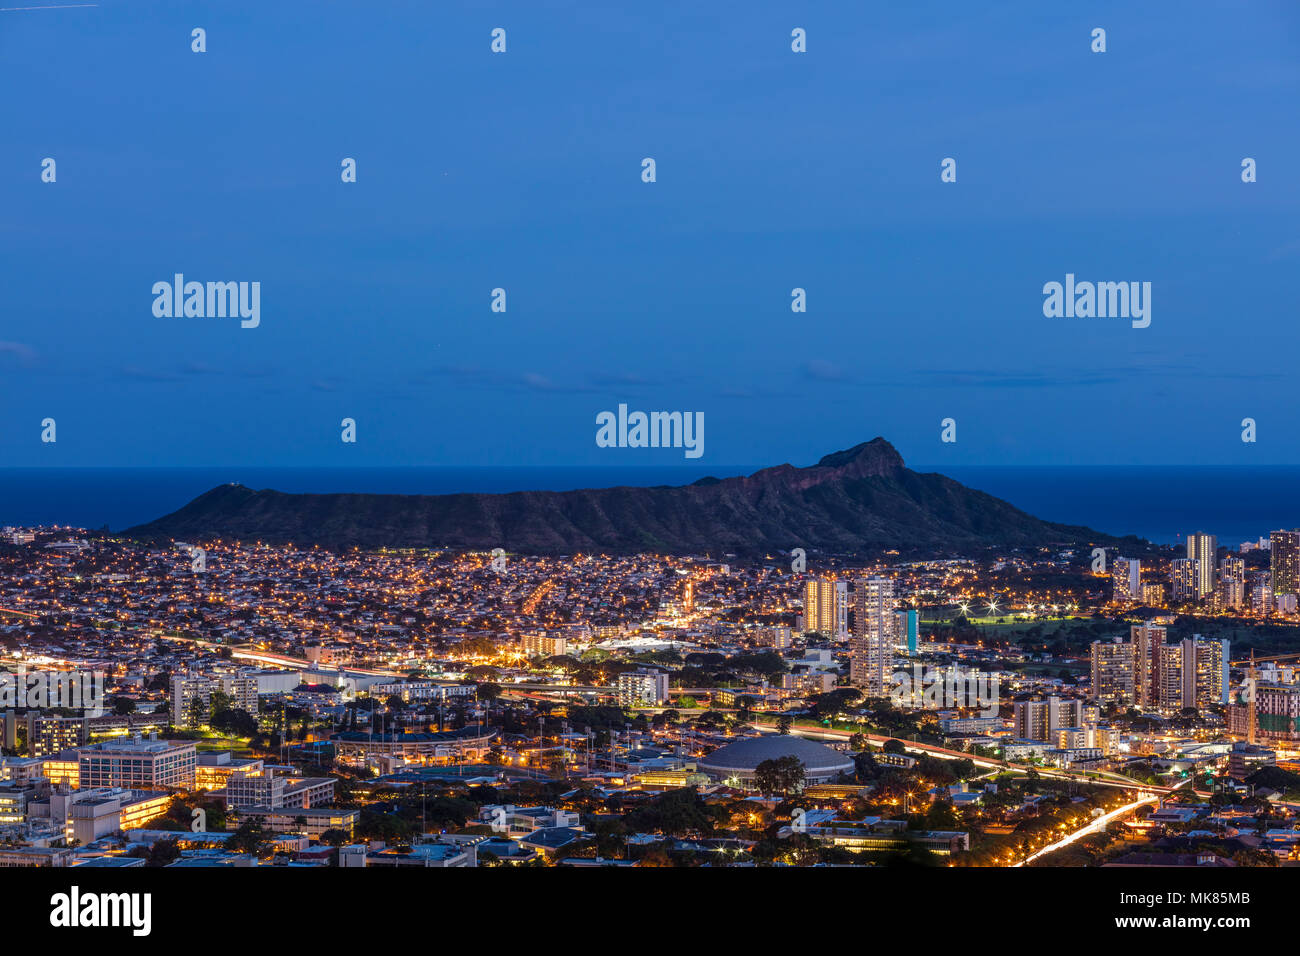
(824, 441)
(257, 689)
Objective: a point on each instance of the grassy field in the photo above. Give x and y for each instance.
(236, 745)
(1000, 621)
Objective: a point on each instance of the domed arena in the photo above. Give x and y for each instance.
(735, 764)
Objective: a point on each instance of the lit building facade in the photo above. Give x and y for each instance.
(1284, 561)
(875, 621)
(1127, 578)
(138, 764)
(642, 688)
(1203, 549)
(1232, 582)
(1183, 575)
(826, 608)
(1112, 671)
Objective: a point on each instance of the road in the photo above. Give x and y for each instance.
(1101, 778)
(1096, 826)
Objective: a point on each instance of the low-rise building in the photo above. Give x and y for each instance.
(137, 764)
(267, 788)
(310, 820)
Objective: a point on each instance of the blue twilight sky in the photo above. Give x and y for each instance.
(775, 170)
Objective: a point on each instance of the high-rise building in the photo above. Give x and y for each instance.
(1261, 593)
(1170, 694)
(1284, 561)
(50, 734)
(1193, 674)
(1205, 672)
(826, 607)
(642, 688)
(192, 697)
(909, 629)
(1147, 639)
(1203, 548)
(242, 689)
(1127, 580)
(1277, 714)
(1112, 671)
(1147, 672)
(871, 649)
(192, 701)
(1041, 719)
(1183, 577)
(1232, 582)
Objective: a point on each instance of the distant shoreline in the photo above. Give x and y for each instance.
(1157, 502)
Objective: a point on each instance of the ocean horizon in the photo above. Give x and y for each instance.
(1160, 503)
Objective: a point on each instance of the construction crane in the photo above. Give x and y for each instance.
(1250, 726)
(1271, 657)
(1250, 686)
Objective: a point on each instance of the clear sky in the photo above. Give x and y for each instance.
(522, 170)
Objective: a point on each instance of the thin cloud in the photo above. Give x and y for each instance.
(25, 354)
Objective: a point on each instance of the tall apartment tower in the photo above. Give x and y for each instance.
(191, 701)
(826, 607)
(1260, 592)
(1284, 561)
(1183, 574)
(1127, 581)
(1202, 549)
(909, 630)
(1232, 582)
(1171, 693)
(875, 626)
(1193, 674)
(1205, 672)
(1147, 639)
(1112, 671)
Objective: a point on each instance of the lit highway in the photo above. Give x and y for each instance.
(1100, 778)
(1096, 826)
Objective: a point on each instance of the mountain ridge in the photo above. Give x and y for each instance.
(860, 499)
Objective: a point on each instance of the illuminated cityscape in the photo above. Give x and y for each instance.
(422, 708)
(851, 446)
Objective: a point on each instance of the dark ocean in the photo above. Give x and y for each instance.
(1161, 504)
